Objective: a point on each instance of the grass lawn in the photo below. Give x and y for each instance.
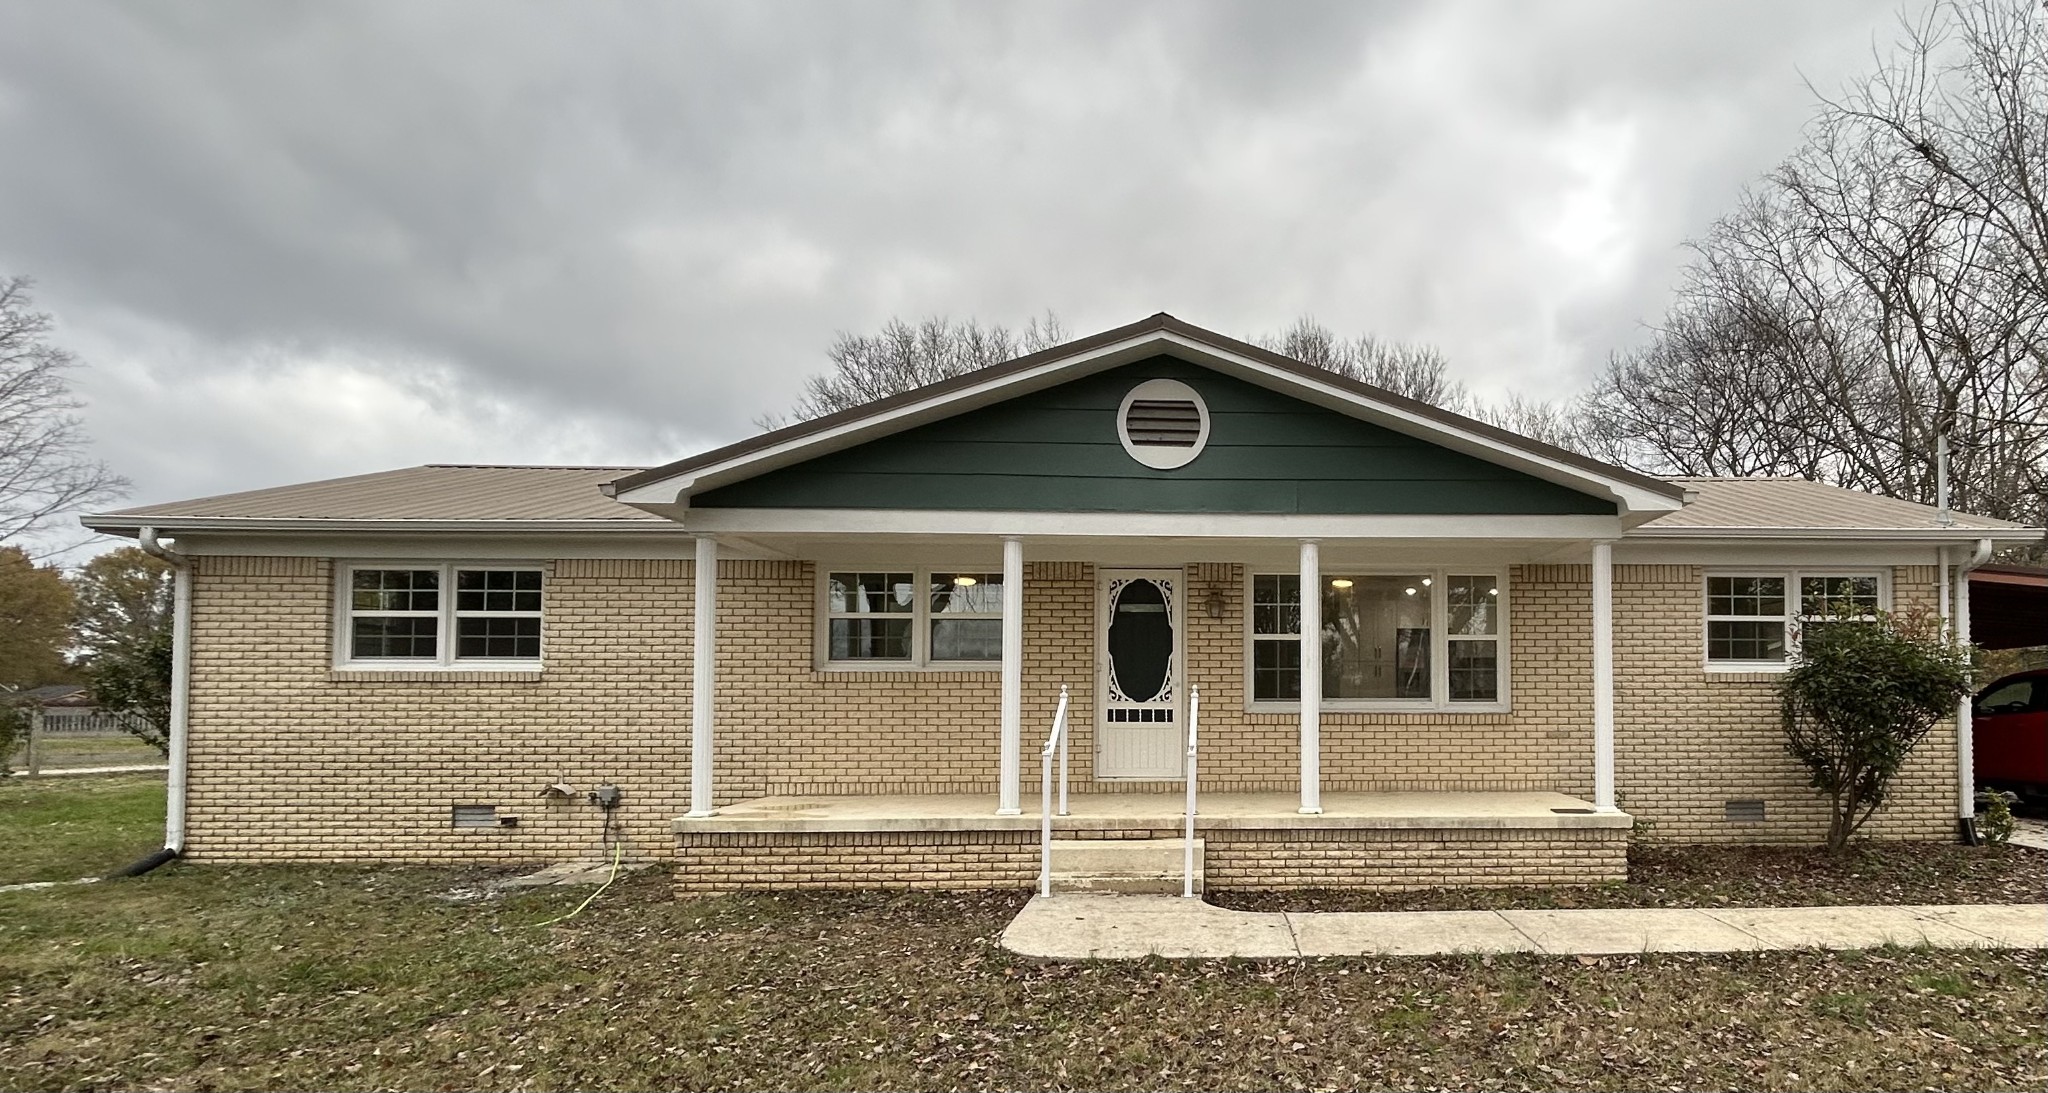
(261, 977)
(64, 828)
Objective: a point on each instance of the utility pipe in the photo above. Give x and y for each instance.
(181, 697)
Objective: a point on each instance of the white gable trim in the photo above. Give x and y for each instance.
(669, 494)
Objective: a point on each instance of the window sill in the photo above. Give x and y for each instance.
(1406, 709)
(439, 673)
(1744, 673)
(904, 670)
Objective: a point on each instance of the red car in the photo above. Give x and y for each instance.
(2012, 734)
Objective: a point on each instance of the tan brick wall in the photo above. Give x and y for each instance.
(1391, 860)
(1398, 860)
(1687, 740)
(290, 760)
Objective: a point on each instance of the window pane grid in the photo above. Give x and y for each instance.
(1762, 618)
(400, 614)
(913, 617)
(1381, 638)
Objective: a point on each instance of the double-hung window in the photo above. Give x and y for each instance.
(441, 616)
(1755, 620)
(1413, 640)
(909, 618)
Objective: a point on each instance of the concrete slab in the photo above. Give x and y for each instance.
(1108, 811)
(1631, 930)
(1117, 927)
(570, 873)
(2030, 831)
(1845, 927)
(1405, 933)
(2007, 926)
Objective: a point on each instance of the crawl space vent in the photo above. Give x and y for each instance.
(476, 815)
(1744, 812)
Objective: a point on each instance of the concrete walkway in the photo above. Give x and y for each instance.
(1106, 927)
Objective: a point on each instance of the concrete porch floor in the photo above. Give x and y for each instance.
(1112, 811)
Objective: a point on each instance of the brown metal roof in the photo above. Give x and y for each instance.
(1161, 322)
(434, 492)
(1794, 503)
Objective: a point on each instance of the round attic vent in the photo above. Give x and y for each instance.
(1163, 424)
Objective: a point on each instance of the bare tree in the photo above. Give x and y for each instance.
(44, 469)
(903, 356)
(1419, 372)
(1886, 286)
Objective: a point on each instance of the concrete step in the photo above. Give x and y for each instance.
(1135, 866)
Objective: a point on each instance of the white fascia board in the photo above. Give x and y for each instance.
(1633, 498)
(676, 544)
(1767, 553)
(666, 491)
(129, 525)
(1929, 536)
(1644, 503)
(1153, 525)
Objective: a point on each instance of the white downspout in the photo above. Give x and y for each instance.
(1966, 743)
(181, 683)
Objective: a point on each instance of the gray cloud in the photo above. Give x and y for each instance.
(296, 240)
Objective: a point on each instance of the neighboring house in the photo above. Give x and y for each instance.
(1512, 652)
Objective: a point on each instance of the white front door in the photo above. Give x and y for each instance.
(1138, 658)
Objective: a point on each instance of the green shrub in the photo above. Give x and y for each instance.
(13, 734)
(1860, 697)
(1994, 817)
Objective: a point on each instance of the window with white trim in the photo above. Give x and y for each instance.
(909, 618)
(445, 615)
(1755, 619)
(1415, 640)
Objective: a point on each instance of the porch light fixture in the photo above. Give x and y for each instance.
(1340, 582)
(1213, 605)
(965, 581)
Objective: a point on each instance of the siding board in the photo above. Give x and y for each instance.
(1057, 451)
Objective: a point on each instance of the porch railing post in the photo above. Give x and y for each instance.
(1187, 861)
(1603, 676)
(703, 674)
(1311, 678)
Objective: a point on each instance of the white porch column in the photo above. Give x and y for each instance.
(703, 674)
(1013, 677)
(1603, 676)
(1311, 678)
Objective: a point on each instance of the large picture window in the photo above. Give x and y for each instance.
(1406, 640)
(908, 618)
(1755, 620)
(441, 615)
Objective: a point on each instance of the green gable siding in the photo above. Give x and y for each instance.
(1057, 451)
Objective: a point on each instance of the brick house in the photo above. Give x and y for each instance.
(830, 655)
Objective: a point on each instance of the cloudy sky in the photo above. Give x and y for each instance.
(292, 241)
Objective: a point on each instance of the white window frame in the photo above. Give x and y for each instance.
(1439, 642)
(920, 617)
(1791, 618)
(445, 642)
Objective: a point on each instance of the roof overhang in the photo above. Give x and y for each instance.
(1936, 536)
(666, 490)
(170, 525)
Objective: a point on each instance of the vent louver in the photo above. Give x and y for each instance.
(1743, 811)
(1163, 423)
(475, 815)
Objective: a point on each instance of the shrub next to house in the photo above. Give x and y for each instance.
(1860, 697)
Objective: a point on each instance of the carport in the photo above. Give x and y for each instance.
(2009, 606)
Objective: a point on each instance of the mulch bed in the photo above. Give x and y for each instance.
(1730, 876)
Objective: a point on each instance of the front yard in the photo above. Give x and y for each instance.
(367, 977)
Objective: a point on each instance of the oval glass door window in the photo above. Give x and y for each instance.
(1140, 643)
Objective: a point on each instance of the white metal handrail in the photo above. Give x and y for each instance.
(1058, 740)
(1187, 879)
